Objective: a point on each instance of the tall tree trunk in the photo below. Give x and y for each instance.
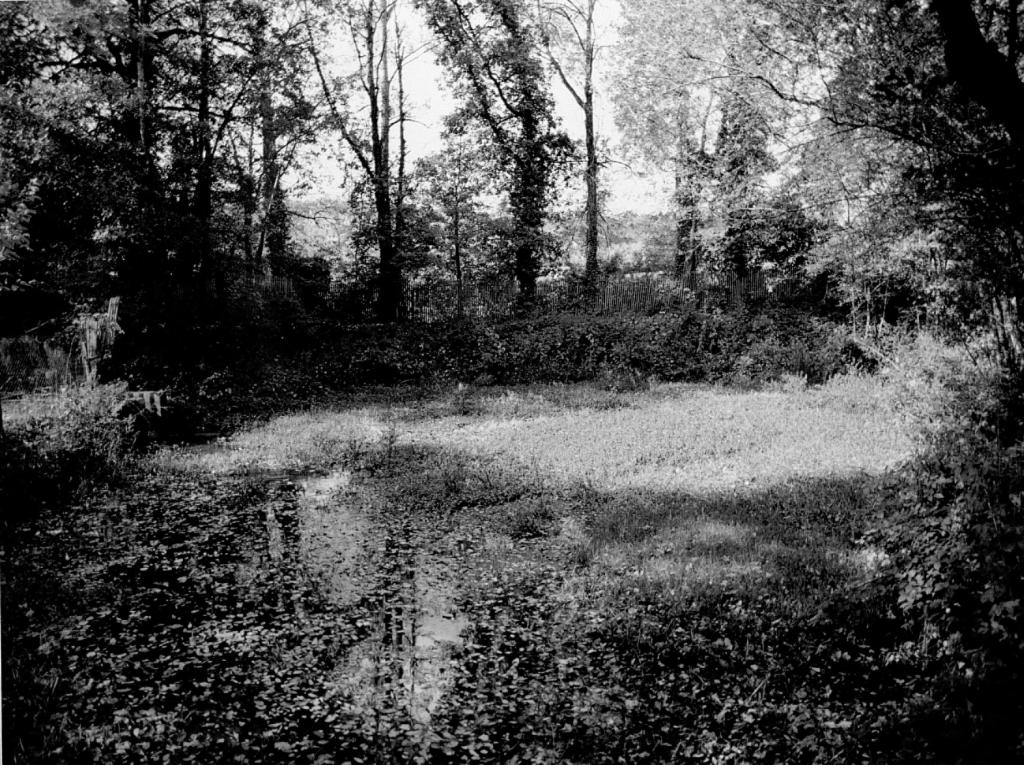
(576, 15)
(457, 255)
(149, 259)
(247, 195)
(400, 181)
(687, 244)
(389, 297)
(979, 68)
(591, 265)
(530, 226)
(682, 229)
(273, 234)
(374, 75)
(528, 208)
(992, 80)
(141, 14)
(460, 179)
(695, 245)
(204, 177)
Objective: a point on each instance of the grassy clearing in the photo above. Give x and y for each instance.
(537, 574)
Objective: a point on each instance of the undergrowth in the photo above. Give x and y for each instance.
(79, 439)
(743, 348)
(956, 537)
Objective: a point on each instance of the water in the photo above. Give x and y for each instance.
(334, 527)
(360, 551)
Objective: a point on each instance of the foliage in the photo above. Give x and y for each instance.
(920, 156)
(450, 184)
(378, 43)
(747, 348)
(492, 50)
(956, 538)
(693, 102)
(81, 441)
(133, 167)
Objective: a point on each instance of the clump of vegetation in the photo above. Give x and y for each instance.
(746, 347)
(77, 439)
(956, 537)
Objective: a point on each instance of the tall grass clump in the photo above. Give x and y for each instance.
(78, 439)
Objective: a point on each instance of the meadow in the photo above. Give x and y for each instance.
(548, 573)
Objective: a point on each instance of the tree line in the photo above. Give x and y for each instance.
(155, 148)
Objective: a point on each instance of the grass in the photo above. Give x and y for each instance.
(687, 484)
(666, 574)
(670, 436)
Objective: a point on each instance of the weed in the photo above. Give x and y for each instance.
(78, 442)
(454, 473)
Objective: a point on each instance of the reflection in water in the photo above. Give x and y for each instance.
(362, 554)
(333, 528)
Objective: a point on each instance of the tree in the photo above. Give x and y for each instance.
(451, 182)
(740, 163)
(931, 85)
(376, 38)
(276, 117)
(663, 113)
(988, 73)
(162, 87)
(492, 49)
(568, 29)
(687, 97)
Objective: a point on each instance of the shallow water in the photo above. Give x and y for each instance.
(359, 552)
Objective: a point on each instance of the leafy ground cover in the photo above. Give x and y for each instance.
(537, 574)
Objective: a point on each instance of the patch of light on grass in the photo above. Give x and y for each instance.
(712, 532)
(692, 440)
(290, 442)
(869, 560)
(684, 571)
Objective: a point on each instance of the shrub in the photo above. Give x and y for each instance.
(81, 440)
(957, 545)
(683, 345)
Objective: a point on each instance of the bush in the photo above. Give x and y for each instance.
(684, 345)
(956, 540)
(82, 440)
